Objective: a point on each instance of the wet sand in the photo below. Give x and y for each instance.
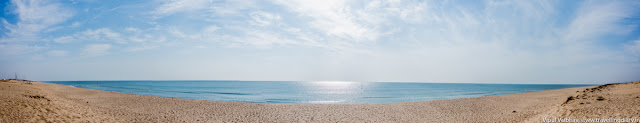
(46, 102)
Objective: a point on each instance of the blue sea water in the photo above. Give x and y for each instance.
(320, 92)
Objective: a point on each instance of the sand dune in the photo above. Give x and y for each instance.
(45, 102)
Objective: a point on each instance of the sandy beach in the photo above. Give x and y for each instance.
(44, 102)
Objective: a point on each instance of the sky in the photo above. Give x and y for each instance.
(447, 41)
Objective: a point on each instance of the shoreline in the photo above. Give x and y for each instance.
(363, 98)
(50, 102)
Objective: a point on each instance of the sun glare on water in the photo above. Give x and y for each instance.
(336, 84)
(333, 91)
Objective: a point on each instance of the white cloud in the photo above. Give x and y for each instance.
(129, 35)
(132, 29)
(207, 33)
(181, 35)
(136, 35)
(57, 53)
(263, 39)
(96, 49)
(210, 29)
(140, 48)
(64, 39)
(233, 7)
(137, 39)
(102, 34)
(261, 18)
(346, 26)
(596, 18)
(413, 13)
(634, 48)
(76, 24)
(18, 49)
(333, 26)
(332, 17)
(35, 17)
(174, 6)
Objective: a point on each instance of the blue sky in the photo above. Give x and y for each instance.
(309, 40)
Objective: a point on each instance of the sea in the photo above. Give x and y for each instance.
(311, 92)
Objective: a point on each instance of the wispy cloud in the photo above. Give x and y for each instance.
(634, 48)
(175, 6)
(94, 35)
(57, 53)
(333, 18)
(96, 49)
(76, 24)
(18, 49)
(263, 18)
(370, 40)
(63, 39)
(141, 48)
(596, 18)
(33, 18)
